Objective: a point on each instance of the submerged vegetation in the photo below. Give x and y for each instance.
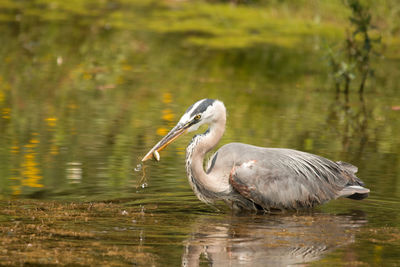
(34, 232)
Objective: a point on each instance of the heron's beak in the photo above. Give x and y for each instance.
(177, 131)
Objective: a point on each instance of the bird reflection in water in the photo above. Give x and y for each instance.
(277, 240)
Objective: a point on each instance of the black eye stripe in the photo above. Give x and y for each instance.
(202, 107)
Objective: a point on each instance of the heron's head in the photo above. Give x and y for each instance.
(205, 111)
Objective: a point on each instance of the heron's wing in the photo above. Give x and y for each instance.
(290, 179)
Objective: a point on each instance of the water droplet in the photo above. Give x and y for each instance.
(138, 168)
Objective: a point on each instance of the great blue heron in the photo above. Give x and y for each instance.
(256, 178)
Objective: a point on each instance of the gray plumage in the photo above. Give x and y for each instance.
(276, 178)
(257, 178)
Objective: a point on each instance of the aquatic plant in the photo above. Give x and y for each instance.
(353, 58)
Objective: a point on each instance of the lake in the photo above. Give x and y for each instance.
(87, 88)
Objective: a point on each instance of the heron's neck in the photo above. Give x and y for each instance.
(202, 183)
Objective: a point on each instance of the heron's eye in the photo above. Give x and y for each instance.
(197, 117)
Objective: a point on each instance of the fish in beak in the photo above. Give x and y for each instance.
(177, 131)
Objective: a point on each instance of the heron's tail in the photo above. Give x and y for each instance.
(354, 192)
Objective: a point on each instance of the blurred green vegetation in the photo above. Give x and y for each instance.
(87, 87)
(82, 82)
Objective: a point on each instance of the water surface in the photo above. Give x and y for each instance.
(86, 91)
